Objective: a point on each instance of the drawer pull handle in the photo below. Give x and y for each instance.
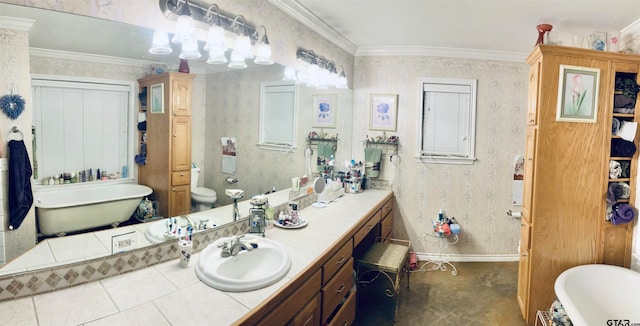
(174, 189)
(532, 121)
(346, 322)
(341, 261)
(341, 289)
(370, 227)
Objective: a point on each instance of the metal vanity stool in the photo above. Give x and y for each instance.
(385, 257)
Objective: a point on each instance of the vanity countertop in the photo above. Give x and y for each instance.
(168, 294)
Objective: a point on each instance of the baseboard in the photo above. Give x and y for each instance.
(423, 256)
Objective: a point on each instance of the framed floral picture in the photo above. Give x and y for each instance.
(578, 94)
(157, 98)
(384, 111)
(324, 111)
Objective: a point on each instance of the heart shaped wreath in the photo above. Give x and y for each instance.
(12, 105)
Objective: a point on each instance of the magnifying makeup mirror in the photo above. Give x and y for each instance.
(318, 188)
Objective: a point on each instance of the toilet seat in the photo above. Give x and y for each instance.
(204, 194)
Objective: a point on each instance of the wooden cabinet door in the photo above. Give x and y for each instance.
(179, 200)
(181, 144)
(529, 160)
(309, 315)
(523, 282)
(534, 88)
(181, 93)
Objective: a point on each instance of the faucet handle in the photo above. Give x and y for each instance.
(223, 245)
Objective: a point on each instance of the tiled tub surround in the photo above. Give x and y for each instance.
(36, 271)
(166, 294)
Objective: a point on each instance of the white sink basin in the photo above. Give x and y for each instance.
(157, 231)
(246, 271)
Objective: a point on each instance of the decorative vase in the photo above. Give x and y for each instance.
(542, 29)
(184, 66)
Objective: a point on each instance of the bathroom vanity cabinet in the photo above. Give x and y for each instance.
(324, 293)
(567, 170)
(168, 140)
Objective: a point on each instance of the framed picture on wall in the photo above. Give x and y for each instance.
(157, 98)
(384, 111)
(578, 94)
(324, 111)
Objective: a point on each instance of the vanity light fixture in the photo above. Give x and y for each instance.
(289, 74)
(160, 44)
(321, 73)
(191, 14)
(185, 29)
(190, 50)
(263, 51)
(246, 35)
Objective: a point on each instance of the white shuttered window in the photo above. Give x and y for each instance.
(447, 123)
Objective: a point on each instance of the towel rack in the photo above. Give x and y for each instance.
(388, 148)
(16, 132)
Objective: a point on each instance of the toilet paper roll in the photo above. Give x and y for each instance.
(185, 253)
(516, 214)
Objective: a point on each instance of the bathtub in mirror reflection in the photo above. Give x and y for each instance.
(85, 246)
(239, 83)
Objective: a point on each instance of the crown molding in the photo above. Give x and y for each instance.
(307, 18)
(16, 23)
(56, 54)
(630, 32)
(430, 51)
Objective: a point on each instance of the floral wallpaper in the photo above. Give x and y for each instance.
(13, 67)
(233, 110)
(477, 195)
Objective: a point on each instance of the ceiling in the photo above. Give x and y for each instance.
(365, 27)
(370, 26)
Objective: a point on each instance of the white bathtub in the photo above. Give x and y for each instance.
(64, 210)
(600, 294)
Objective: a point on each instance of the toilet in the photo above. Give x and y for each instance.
(201, 198)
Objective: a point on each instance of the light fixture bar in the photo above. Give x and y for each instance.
(171, 10)
(311, 57)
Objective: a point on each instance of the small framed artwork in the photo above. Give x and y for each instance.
(384, 110)
(324, 111)
(578, 94)
(157, 98)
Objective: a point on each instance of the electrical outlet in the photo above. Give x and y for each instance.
(123, 242)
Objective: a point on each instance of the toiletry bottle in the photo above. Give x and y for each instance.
(440, 215)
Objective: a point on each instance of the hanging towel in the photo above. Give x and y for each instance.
(20, 194)
(325, 150)
(372, 162)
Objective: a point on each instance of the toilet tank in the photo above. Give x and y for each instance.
(195, 174)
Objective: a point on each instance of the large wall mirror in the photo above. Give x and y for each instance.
(226, 103)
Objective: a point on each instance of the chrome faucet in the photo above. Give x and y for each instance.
(234, 247)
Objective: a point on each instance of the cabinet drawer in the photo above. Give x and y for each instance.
(337, 288)
(288, 308)
(347, 313)
(336, 261)
(181, 178)
(365, 229)
(385, 226)
(387, 207)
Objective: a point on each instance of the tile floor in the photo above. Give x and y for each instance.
(481, 294)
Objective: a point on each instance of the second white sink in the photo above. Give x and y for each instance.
(246, 271)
